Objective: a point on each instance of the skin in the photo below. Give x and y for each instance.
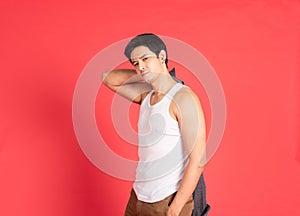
(150, 72)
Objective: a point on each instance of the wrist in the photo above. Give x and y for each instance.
(175, 207)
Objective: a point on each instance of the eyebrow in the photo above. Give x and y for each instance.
(132, 60)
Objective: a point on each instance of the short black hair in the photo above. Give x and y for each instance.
(149, 40)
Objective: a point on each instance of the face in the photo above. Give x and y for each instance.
(146, 63)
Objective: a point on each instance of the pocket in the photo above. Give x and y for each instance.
(187, 208)
(171, 198)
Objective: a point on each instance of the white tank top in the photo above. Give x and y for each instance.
(162, 158)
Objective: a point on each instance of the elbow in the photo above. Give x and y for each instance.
(104, 76)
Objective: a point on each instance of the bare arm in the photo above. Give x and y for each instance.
(127, 83)
(192, 125)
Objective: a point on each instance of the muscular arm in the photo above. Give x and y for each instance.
(190, 117)
(127, 83)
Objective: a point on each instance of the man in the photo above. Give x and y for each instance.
(171, 131)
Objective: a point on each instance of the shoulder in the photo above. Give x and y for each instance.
(185, 102)
(185, 96)
(144, 95)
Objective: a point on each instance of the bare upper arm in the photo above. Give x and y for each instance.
(135, 92)
(188, 112)
(127, 83)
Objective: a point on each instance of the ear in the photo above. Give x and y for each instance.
(162, 55)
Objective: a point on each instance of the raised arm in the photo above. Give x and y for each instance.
(128, 83)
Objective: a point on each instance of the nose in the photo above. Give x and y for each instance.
(141, 66)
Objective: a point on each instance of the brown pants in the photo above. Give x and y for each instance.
(136, 207)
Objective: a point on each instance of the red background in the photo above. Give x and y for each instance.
(252, 45)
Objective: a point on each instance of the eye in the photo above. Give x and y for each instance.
(135, 63)
(145, 58)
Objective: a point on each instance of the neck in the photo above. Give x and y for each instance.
(163, 83)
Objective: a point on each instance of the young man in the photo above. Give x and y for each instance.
(171, 131)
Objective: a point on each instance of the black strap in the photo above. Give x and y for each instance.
(173, 74)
